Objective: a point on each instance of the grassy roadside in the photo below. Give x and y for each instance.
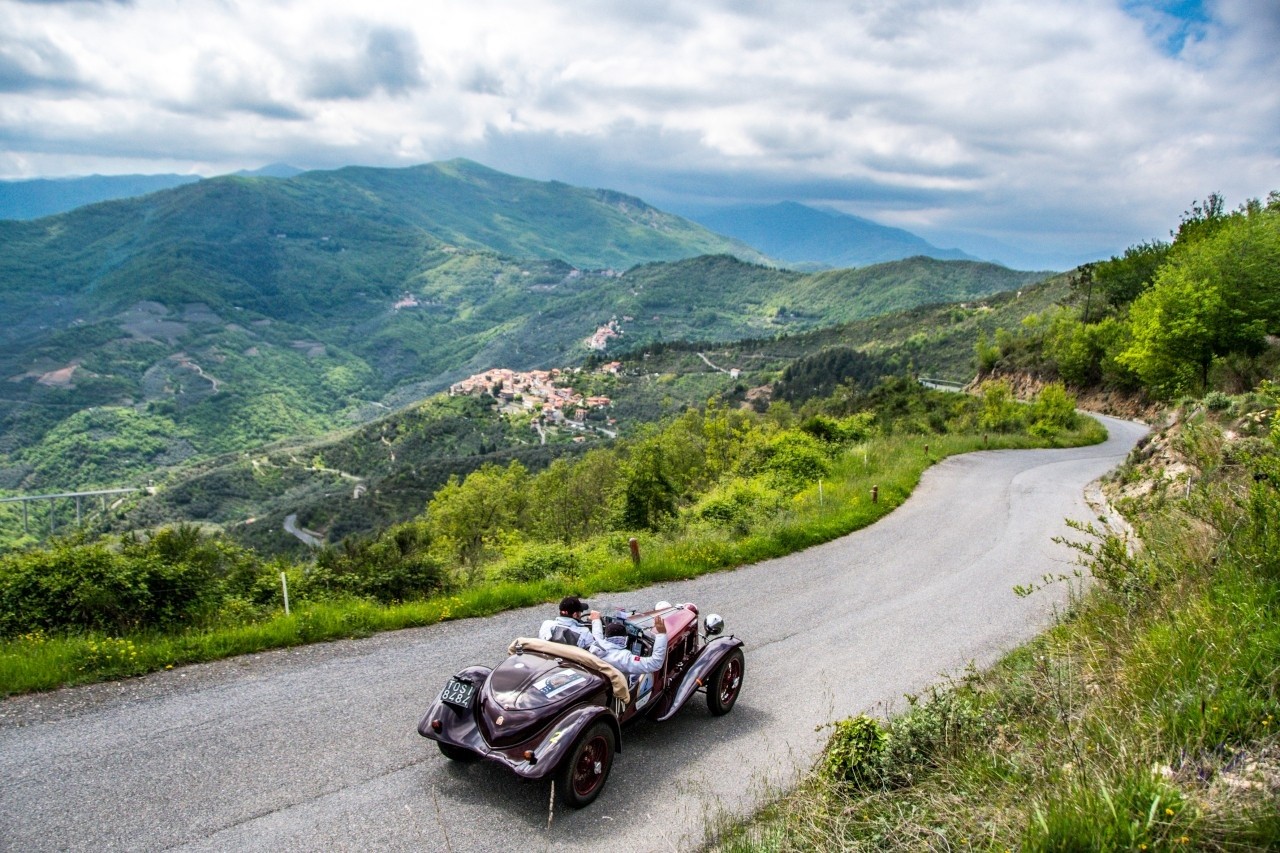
(1146, 720)
(840, 504)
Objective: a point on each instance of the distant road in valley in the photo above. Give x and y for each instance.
(316, 748)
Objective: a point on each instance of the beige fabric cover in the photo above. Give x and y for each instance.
(581, 657)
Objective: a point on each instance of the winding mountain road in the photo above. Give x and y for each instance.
(316, 748)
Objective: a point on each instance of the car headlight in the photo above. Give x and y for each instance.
(714, 624)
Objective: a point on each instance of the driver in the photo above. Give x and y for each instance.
(568, 627)
(613, 648)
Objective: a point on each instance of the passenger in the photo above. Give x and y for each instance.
(613, 649)
(568, 627)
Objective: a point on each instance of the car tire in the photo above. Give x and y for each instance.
(725, 683)
(456, 753)
(582, 776)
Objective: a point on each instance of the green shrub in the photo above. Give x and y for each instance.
(789, 460)
(1216, 401)
(737, 505)
(74, 586)
(1053, 411)
(1001, 411)
(855, 752)
(931, 730)
(396, 566)
(535, 561)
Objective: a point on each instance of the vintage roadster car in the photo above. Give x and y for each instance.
(556, 710)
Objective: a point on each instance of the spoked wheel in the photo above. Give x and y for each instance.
(582, 776)
(457, 753)
(725, 684)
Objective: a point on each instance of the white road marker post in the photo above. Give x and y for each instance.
(284, 586)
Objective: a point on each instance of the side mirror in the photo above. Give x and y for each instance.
(715, 624)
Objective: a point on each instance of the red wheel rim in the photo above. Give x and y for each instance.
(591, 766)
(730, 681)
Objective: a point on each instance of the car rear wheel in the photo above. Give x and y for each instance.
(583, 774)
(456, 753)
(725, 683)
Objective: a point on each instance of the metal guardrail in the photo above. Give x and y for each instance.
(941, 384)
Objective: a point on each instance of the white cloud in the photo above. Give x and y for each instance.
(1070, 127)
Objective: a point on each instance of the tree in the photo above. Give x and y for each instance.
(467, 515)
(1217, 295)
(648, 495)
(572, 501)
(1121, 279)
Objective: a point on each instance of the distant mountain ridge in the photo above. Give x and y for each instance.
(799, 234)
(38, 197)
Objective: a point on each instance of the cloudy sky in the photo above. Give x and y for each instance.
(1049, 130)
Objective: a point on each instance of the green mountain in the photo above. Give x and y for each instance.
(367, 478)
(228, 314)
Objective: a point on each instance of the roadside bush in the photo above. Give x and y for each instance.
(75, 586)
(737, 506)
(929, 731)
(855, 752)
(837, 431)
(1001, 411)
(1053, 411)
(789, 460)
(535, 561)
(396, 566)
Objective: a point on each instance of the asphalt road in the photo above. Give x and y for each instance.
(316, 748)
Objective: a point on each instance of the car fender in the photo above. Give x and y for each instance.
(693, 678)
(456, 727)
(564, 734)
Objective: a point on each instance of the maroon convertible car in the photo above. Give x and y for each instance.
(555, 710)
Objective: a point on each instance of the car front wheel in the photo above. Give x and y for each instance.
(725, 683)
(583, 774)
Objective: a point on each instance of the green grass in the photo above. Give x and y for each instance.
(893, 464)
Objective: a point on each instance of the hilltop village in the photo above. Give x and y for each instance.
(545, 393)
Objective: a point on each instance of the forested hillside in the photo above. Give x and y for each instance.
(235, 312)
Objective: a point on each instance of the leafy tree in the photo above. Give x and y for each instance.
(1084, 354)
(570, 502)
(1217, 295)
(1121, 279)
(648, 494)
(465, 516)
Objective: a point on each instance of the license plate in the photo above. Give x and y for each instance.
(458, 693)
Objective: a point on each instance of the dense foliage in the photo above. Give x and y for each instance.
(709, 473)
(1169, 319)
